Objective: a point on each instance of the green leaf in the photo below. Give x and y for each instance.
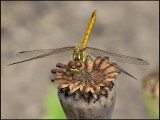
(52, 106)
(152, 105)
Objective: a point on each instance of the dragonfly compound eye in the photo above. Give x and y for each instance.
(78, 64)
(70, 64)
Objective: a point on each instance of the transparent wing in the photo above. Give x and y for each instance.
(117, 57)
(33, 53)
(54, 52)
(46, 53)
(118, 67)
(122, 70)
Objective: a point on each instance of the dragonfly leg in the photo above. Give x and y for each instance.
(89, 74)
(65, 72)
(82, 75)
(88, 56)
(72, 75)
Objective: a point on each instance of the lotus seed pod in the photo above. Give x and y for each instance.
(79, 109)
(90, 93)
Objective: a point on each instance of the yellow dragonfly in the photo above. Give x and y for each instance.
(80, 53)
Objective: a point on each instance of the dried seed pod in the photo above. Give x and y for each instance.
(76, 95)
(88, 65)
(103, 92)
(79, 109)
(91, 95)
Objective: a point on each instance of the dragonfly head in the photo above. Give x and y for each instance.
(75, 66)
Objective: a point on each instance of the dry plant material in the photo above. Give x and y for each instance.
(87, 85)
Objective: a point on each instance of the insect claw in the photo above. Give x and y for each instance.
(88, 56)
(72, 75)
(65, 72)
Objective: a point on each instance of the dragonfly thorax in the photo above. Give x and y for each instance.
(79, 54)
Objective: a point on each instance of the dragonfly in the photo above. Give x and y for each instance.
(80, 53)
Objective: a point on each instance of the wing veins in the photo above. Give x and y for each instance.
(118, 57)
(117, 67)
(54, 51)
(34, 53)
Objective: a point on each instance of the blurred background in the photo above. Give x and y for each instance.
(129, 27)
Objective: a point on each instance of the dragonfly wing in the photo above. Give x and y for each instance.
(46, 53)
(33, 53)
(122, 70)
(117, 57)
(118, 67)
(54, 52)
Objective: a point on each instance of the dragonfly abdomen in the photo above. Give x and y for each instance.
(89, 29)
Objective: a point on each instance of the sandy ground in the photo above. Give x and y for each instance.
(129, 28)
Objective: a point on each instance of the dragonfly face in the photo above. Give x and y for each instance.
(75, 66)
